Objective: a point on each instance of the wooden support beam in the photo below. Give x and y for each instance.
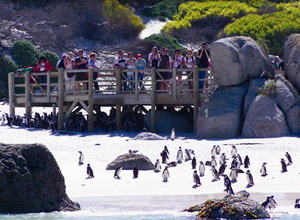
(54, 110)
(196, 97)
(153, 100)
(61, 96)
(91, 102)
(118, 117)
(118, 81)
(27, 95)
(174, 83)
(69, 111)
(11, 84)
(84, 106)
(48, 90)
(136, 91)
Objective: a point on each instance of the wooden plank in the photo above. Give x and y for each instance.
(27, 95)
(196, 97)
(174, 84)
(91, 102)
(153, 100)
(48, 90)
(60, 102)
(118, 117)
(69, 111)
(11, 84)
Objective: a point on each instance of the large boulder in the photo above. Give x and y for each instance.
(238, 59)
(128, 161)
(264, 119)
(148, 136)
(165, 121)
(292, 59)
(293, 119)
(221, 116)
(31, 181)
(231, 207)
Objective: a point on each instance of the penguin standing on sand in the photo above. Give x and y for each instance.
(165, 174)
(164, 156)
(222, 169)
(249, 179)
(218, 149)
(173, 135)
(263, 170)
(269, 203)
(166, 149)
(240, 161)
(227, 184)
(157, 166)
(187, 155)
(81, 158)
(117, 172)
(289, 158)
(222, 159)
(194, 163)
(233, 175)
(283, 165)
(215, 174)
(213, 161)
(179, 155)
(213, 151)
(201, 168)
(246, 162)
(196, 179)
(234, 163)
(135, 172)
(89, 171)
(233, 151)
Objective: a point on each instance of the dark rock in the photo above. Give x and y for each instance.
(264, 119)
(31, 181)
(221, 116)
(293, 119)
(239, 59)
(128, 161)
(148, 136)
(232, 207)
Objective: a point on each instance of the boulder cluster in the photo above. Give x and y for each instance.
(251, 100)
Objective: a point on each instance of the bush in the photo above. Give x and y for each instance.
(25, 53)
(121, 19)
(51, 57)
(6, 66)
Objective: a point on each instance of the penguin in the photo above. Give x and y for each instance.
(227, 184)
(222, 159)
(283, 166)
(234, 163)
(157, 166)
(289, 158)
(218, 149)
(187, 155)
(201, 168)
(215, 174)
(240, 161)
(89, 171)
(246, 162)
(265, 204)
(194, 163)
(166, 149)
(213, 151)
(233, 151)
(196, 179)
(179, 155)
(233, 175)
(249, 179)
(263, 170)
(81, 158)
(222, 169)
(117, 172)
(164, 156)
(243, 193)
(173, 135)
(270, 202)
(133, 151)
(165, 174)
(213, 162)
(135, 172)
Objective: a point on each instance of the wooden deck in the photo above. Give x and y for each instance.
(179, 92)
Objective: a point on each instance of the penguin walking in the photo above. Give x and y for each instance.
(117, 172)
(283, 165)
(215, 174)
(89, 171)
(187, 155)
(194, 163)
(173, 135)
(263, 170)
(135, 172)
(157, 166)
(179, 155)
(81, 158)
(222, 169)
(165, 174)
(164, 156)
(233, 151)
(233, 175)
(213, 151)
(213, 161)
(227, 184)
(196, 179)
(246, 162)
(249, 179)
(289, 158)
(218, 149)
(201, 168)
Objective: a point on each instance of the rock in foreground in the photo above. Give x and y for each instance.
(231, 207)
(31, 181)
(128, 161)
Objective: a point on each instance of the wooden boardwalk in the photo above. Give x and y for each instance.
(179, 92)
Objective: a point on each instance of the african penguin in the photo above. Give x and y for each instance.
(196, 179)
(249, 179)
(179, 155)
(157, 166)
(135, 172)
(194, 163)
(263, 170)
(246, 162)
(89, 171)
(117, 172)
(283, 165)
(173, 135)
(201, 168)
(165, 174)
(81, 158)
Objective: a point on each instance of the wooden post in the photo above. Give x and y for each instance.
(153, 100)
(136, 82)
(48, 86)
(61, 95)
(174, 84)
(91, 101)
(118, 81)
(27, 95)
(54, 110)
(196, 96)
(11, 86)
(118, 117)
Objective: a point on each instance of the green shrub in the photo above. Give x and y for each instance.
(51, 57)
(122, 19)
(193, 12)
(6, 66)
(25, 53)
(268, 89)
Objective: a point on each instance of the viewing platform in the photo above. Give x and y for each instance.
(182, 89)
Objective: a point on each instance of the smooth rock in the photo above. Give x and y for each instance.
(129, 160)
(293, 119)
(148, 136)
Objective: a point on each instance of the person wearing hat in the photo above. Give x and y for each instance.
(60, 63)
(140, 65)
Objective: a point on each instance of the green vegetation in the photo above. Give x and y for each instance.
(51, 57)
(268, 89)
(121, 19)
(6, 66)
(192, 12)
(25, 53)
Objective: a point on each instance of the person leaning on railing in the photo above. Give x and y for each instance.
(120, 62)
(166, 62)
(140, 65)
(203, 61)
(92, 64)
(190, 62)
(81, 62)
(69, 77)
(43, 66)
